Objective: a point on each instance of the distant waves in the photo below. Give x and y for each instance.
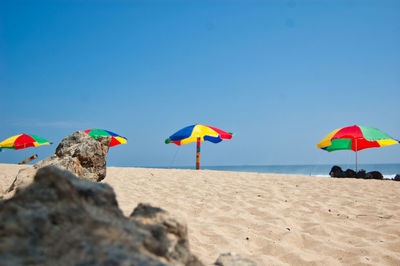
(387, 170)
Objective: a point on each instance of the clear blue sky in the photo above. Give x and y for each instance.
(280, 74)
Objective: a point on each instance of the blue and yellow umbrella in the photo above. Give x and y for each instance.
(198, 133)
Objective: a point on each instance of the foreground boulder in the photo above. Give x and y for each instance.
(78, 153)
(337, 171)
(63, 220)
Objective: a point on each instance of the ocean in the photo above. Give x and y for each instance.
(321, 170)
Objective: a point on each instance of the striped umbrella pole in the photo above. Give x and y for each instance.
(29, 159)
(198, 154)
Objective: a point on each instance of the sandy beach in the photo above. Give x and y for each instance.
(270, 218)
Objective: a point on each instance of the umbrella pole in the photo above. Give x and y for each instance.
(198, 154)
(356, 158)
(24, 152)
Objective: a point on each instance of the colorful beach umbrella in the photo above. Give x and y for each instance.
(23, 141)
(198, 133)
(355, 138)
(101, 133)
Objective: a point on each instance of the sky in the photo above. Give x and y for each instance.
(281, 75)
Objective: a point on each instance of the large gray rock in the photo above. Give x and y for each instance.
(78, 153)
(62, 220)
(171, 234)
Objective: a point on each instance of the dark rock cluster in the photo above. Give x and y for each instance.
(337, 171)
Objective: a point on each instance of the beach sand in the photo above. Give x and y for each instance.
(8, 172)
(272, 219)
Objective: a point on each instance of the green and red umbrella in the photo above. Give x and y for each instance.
(355, 138)
(101, 133)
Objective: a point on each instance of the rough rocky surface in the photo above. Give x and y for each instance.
(171, 234)
(233, 259)
(63, 220)
(78, 153)
(336, 171)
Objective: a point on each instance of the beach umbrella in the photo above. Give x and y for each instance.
(101, 133)
(355, 138)
(198, 133)
(23, 141)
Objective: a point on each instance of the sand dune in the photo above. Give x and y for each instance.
(270, 218)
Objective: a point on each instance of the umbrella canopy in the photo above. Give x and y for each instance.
(355, 138)
(191, 133)
(23, 141)
(101, 133)
(198, 133)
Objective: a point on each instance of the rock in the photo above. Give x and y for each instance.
(374, 175)
(78, 153)
(170, 234)
(350, 173)
(397, 178)
(336, 171)
(361, 174)
(60, 219)
(233, 259)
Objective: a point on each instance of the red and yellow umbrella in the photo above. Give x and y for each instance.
(23, 141)
(355, 138)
